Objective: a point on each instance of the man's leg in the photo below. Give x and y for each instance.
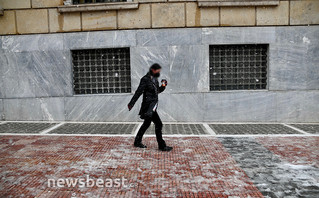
(140, 133)
(158, 131)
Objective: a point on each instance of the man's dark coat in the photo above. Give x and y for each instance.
(150, 89)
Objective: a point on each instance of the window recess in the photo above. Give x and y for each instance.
(101, 71)
(238, 67)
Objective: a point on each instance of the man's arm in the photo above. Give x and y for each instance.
(138, 93)
(161, 89)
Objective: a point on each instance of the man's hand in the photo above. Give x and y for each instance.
(129, 107)
(164, 82)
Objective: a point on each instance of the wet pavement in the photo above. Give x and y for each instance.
(198, 166)
(273, 174)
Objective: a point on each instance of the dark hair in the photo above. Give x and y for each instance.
(155, 66)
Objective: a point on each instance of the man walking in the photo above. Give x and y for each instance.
(150, 89)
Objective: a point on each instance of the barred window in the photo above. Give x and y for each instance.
(238, 67)
(96, 1)
(97, 71)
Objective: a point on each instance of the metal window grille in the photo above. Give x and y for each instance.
(97, 71)
(96, 1)
(238, 67)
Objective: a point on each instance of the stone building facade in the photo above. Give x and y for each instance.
(225, 60)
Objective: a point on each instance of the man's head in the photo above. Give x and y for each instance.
(155, 70)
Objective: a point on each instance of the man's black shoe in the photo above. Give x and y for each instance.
(140, 145)
(166, 148)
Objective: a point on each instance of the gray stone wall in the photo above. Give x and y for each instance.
(36, 75)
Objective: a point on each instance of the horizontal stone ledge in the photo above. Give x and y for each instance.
(219, 3)
(98, 7)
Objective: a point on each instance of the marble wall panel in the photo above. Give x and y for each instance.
(37, 74)
(34, 42)
(101, 108)
(185, 67)
(99, 39)
(167, 37)
(240, 106)
(51, 109)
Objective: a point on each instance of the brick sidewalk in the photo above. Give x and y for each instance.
(197, 167)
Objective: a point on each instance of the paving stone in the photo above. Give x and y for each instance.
(238, 129)
(23, 127)
(297, 150)
(179, 129)
(197, 167)
(274, 177)
(309, 128)
(87, 128)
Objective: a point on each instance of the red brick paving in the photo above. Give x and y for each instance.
(297, 150)
(197, 167)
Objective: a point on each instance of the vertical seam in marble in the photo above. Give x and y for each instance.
(2, 110)
(64, 109)
(71, 91)
(201, 37)
(276, 105)
(135, 32)
(268, 68)
(71, 73)
(63, 41)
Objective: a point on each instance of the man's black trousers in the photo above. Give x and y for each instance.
(158, 129)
